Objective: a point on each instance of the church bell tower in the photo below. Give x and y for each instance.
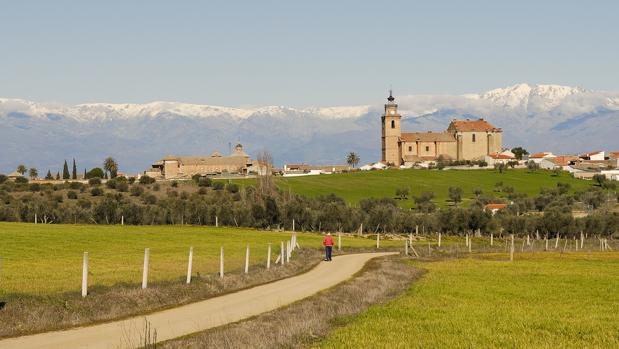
(391, 152)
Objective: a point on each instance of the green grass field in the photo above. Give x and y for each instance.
(378, 184)
(47, 259)
(543, 300)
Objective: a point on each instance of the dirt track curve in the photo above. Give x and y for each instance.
(199, 316)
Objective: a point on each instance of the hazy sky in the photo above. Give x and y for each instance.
(299, 53)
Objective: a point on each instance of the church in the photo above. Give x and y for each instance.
(463, 140)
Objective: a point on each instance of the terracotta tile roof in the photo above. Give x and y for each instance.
(472, 125)
(427, 137)
(538, 155)
(563, 160)
(614, 153)
(496, 206)
(586, 155)
(500, 156)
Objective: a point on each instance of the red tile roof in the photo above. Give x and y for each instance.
(496, 206)
(472, 125)
(538, 155)
(500, 156)
(563, 160)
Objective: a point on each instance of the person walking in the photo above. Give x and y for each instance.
(327, 242)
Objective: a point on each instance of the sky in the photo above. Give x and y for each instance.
(299, 53)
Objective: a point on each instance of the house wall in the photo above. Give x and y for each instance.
(170, 168)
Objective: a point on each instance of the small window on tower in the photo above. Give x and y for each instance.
(392, 123)
(427, 148)
(410, 148)
(473, 137)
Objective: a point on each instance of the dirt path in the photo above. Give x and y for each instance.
(202, 315)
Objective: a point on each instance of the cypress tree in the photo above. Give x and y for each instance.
(57, 175)
(74, 172)
(65, 171)
(49, 175)
(84, 173)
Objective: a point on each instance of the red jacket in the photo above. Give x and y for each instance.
(327, 241)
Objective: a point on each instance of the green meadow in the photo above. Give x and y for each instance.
(541, 300)
(378, 184)
(46, 259)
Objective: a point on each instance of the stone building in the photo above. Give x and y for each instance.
(463, 140)
(184, 167)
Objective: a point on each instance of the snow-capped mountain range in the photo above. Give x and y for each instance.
(539, 117)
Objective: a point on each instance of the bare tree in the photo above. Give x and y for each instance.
(265, 180)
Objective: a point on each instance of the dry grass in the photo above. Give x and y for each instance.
(27, 315)
(309, 320)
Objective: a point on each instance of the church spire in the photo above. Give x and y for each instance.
(390, 98)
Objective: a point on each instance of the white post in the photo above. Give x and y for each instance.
(511, 249)
(221, 262)
(247, 259)
(582, 240)
(145, 271)
(410, 239)
(35, 218)
(546, 241)
(466, 240)
(470, 244)
(269, 257)
(361, 229)
(405, 247)
(288, 251)
(416, 230)
(85, 275)
(293, 224)
(339, 241)
(122, 220)
(557, 242)
(378, 240)
(439, 239)
(528, 241)
(216, 221)
(282, 252)
(491, 239)
(189, 265)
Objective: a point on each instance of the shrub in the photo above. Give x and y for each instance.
(131, 180)
(174, 184)
(136, 190)
(21, 180)
(75, 185)
(96, 191)
(147, 180)
(205, 182)
(94, 181)
(3, 178)
(122, 186)
(84, 203)
(34, 187)
(71, 195)
(203, 191)
(218, 185)
(95, 173)
(156, 187)
(150, 199)
(58, 198)
(232, 188)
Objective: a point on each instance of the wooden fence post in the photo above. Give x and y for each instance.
(221, 262)
(439, 239)
(528, 241)
(282, 252)
(122, 220)
(293, 224)
(378, 240)
(405, 247)
(582, 240)
(145, 270)
(288, 251)
(511, 249)
(84, 275)
(339, 241)
(491, 239)
(470, 245)
(416, 230)
(557, 242)
(247, 259)
(546, 241)
(189, 265)
(269, 256)
(216, 221)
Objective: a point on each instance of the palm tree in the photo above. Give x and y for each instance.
(110, 165)
(21, 169)
(352, 159)
(33, 173)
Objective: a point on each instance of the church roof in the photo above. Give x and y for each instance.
(427, 137)
(472, 125)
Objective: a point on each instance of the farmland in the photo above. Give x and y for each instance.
(542, 300)
(47, 259)
(356, 186)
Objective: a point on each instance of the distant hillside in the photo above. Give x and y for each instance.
(540, 117)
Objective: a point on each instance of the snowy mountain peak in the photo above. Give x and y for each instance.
(544, 97)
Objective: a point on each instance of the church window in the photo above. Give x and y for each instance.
(427, 148)
(410, 148)
(473, 137)
(392, 123)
